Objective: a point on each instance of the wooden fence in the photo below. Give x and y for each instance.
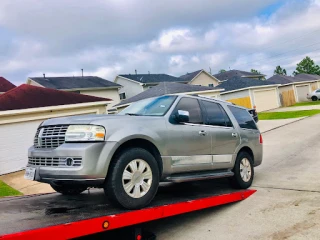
(244, 102)
(287, 98)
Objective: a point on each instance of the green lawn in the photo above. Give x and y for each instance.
(6, 190)
(286, 115)
(306, 104)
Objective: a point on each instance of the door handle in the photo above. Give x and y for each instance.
(234, 134)
(202, 133)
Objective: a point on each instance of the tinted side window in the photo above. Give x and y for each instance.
(192, 106)
(243, 117)
(215, 115)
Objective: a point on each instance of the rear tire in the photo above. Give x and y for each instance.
(68, 189)
(243, 171)
(133, 178)
(314, 98)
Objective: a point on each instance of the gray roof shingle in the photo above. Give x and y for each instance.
(74, 82)
(189, 76)
(240, 82)
(166, 88)
(235, 73)
(307, 77)
(280, 79)
(152, 78)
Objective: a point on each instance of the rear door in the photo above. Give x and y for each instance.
(225, 138)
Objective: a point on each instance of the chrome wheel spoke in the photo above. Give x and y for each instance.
(136, 191)
(127, 175)
(133, 166)
(145, 186)
(142, 166)
(147, 175)
(245, 169)
(128, 187)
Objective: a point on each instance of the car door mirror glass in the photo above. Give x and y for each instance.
(182, 116)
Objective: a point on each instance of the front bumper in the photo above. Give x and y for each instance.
(92, 171)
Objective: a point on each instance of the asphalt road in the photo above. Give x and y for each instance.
(286, 205)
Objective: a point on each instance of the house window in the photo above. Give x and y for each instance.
(210, 85)
(122, 96)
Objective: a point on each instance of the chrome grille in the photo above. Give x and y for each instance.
(50, 136)
(55, 161)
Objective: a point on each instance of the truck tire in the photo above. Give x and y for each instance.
(243, 171)
(68, 189)
(133, 178)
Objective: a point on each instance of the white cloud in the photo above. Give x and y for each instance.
(112, 37)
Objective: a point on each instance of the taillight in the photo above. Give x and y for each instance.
(260, 139)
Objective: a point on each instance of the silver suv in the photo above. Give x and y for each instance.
(171, 138)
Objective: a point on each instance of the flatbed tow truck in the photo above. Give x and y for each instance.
(91, 216)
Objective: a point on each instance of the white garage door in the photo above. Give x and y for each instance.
(265, 99)
(15, 140)
(302, 92)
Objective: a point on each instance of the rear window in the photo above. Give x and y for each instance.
(243, 118)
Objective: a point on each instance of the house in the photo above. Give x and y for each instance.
(5, 85)
(250, 93)
(295, 89)
(88, 85)
(200, 77)
(134, 84)
(223, 76)
(22, 110)
(171, 88)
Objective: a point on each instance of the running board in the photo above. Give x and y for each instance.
(187, 177)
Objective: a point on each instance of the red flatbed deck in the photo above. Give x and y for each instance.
(54, 216)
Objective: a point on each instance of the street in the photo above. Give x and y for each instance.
(286, 204)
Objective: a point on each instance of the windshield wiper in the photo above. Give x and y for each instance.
(133, 114)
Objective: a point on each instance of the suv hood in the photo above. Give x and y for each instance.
(89, 119)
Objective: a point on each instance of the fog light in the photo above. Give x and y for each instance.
(69, 161)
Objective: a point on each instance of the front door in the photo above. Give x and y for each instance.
(189, 144)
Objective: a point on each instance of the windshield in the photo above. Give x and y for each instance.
(150, 107)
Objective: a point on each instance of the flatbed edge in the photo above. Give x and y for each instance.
(110, 222)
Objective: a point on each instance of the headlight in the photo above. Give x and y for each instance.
(85, 133)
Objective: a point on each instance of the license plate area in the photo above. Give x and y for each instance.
(30, 173)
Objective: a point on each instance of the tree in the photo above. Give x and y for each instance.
(280, 71)
(222, 71)
(307, 65)
(255, 71)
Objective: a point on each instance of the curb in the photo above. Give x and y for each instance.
(286, 124)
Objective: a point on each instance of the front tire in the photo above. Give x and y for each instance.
(314, 98)
(243, 171)
(68, 189)
(133, 178)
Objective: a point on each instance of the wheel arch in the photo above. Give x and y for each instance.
(140, 143)
(247, 150)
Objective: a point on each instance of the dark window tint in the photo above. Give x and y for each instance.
(192, 106)
(215, 115)
(318, 90)
(243, 117)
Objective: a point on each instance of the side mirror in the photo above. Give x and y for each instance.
(182, 116)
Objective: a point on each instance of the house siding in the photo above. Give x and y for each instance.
(104, 93)
(204, 80)
(130, 88)
(241, 98)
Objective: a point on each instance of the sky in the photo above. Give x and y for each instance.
(111, 37)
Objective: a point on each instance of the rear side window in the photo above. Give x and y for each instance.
(192, 106)
(215, 115)
(243, 117)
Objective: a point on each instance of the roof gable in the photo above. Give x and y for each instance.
(240, 83)
(66, 83)
(166, 88)
(5, 85)
(27, 96)
(151, 78)
(189, 76)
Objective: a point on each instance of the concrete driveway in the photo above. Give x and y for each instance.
(286, 205)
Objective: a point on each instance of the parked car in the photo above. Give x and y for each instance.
(171, 138)
(315, 95)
